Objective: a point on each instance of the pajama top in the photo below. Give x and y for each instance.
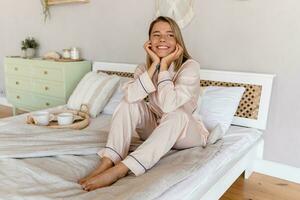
(168, 90)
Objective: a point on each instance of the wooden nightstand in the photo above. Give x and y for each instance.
(34, 84)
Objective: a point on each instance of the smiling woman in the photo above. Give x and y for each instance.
(170, 80)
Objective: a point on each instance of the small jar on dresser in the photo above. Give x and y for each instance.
(34, 84)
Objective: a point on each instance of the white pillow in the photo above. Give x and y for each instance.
(94, 90)
(116, 98)
(218, 106)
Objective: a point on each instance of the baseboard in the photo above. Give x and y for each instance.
(3, 101)
(278, 170)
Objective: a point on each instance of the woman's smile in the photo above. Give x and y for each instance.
(162, 47)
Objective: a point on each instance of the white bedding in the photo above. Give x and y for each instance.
(20, 140)
(234, 145)
(55, 177)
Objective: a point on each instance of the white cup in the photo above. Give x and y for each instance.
(65, 118)
(42, 117)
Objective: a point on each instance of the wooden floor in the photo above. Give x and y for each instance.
(262, 187)
(257, 187)
(5, 111)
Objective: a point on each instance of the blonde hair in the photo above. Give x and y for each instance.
(178, 37)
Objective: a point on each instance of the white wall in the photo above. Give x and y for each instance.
(254, 35)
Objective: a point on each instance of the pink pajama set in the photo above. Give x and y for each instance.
(167, 121)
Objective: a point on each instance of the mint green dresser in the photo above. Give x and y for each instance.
(34, 84)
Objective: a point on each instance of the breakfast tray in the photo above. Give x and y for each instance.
(64, 59)
(81, 119)
(67, 60)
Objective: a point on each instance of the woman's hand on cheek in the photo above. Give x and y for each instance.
(166, 61)
(153, 56)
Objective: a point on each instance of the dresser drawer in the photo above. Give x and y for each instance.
(42, 102)
(51, 88)
(32, 100)
(20, 83)
(18, 69)
(53, 74)
(19, 97)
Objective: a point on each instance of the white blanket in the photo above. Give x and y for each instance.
(56, 177)
(20, 140)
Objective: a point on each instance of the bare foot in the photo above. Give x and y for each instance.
(105, 164)
(106, 178)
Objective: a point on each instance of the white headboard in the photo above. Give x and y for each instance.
(263, 80)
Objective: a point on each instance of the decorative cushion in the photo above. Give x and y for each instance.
(218, 106)
(116, 98)
(94, 90)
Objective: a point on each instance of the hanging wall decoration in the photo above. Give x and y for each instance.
(47, 3)
(54, 2)
(181, 11)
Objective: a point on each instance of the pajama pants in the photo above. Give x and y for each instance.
(175, 129)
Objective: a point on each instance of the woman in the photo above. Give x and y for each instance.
(171, 81)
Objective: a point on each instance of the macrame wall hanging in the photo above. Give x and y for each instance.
(180, 10)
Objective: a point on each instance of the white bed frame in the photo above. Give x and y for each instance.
(247, 162)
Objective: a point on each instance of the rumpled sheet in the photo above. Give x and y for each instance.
(40, 163)
(21, 140)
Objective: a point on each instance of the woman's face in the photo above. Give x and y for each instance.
(162, 39)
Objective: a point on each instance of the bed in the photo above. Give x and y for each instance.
(41, 163)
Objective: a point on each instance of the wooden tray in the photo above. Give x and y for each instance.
(81, 120)
(68, 60)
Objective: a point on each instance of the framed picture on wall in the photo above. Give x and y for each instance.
(54, 2)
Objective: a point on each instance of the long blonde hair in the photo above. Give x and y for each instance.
(178, 37)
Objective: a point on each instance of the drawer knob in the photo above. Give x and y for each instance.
(47, 104)
(18, 97)
(16, 69)
(46, 88)
(17, 83)
(45, 72)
